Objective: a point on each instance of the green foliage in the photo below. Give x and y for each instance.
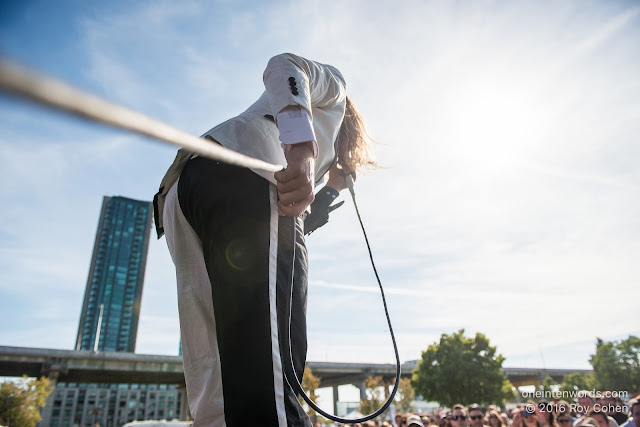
(406, 394)
(575, 382)
(462, 370)
(21, 400)
(310, 384)
(547, 386)
(375, 395)
(616, 365)
(508, 390)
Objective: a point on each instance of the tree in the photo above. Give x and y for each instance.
(375, 395)
(547, 387)
(462, 370)
(574, 382)
(616, 365)
(310, 384)
(406, 395)
(21, 400)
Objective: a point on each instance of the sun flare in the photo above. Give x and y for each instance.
(494, 120)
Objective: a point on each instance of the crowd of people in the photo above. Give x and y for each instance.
(606, 410)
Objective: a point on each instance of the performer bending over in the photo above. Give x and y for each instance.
(232, 233)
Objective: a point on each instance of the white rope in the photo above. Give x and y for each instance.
(24, 83)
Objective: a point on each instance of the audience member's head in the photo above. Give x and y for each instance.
(495, 420)
(445, 419)
(634, 410)
(529, 415)
(560, 406)
(544, 414)
(476, 416)
(586, 422)
(585, 402)
(459, 416)
(564, 418)
(599, 417)
(414, 421)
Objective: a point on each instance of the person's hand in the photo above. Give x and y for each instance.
(338, 178)
(517, 418)
(295, 183)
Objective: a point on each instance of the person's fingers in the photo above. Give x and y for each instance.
(292, 170)
(295, 209)
(298, 196)
(337, 180)
(295, 202)
(285, 174)
(293, 184)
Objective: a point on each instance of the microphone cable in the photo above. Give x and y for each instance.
(290, 375)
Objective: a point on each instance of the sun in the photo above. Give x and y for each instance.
(494, 120)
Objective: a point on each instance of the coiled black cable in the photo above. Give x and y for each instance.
(294, 382)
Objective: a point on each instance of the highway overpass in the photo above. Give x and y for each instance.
(110, 367)
(84, 366)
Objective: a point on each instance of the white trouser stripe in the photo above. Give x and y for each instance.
(278, 380)
(200, 353)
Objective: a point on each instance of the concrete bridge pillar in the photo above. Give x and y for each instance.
(334, 392)
(185, 415)
(363, 389)
(386, 385)
(53, 375)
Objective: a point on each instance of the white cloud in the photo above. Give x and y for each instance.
(510, 206)
(607, 31)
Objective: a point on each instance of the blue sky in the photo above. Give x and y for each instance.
(509, 205)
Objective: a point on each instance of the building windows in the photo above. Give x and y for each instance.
(120, 254)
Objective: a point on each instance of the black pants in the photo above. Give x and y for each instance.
(230, 209)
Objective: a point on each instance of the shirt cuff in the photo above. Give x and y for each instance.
(295, 126)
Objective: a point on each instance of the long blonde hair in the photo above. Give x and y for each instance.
(354, 142)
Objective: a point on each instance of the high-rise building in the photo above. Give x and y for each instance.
(112, 307)
(111, 405)
(114, 286)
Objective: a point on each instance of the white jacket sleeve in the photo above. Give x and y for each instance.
(295, 87)
(292, 80)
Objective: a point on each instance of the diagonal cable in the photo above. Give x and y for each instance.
(24, 83)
